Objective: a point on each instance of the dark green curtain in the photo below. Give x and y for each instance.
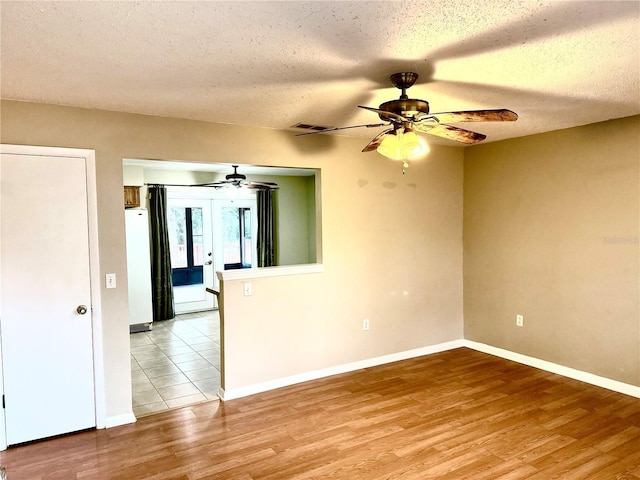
(162, 287)
(266, 227)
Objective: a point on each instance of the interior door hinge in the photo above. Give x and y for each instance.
(3, 401)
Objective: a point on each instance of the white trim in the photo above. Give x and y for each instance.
(3, 430)
(94, 263)
(264, 272)
(613, 385)
(585, 377)
(96, 296)
(118, 420)
(222, 395)
(232, 394)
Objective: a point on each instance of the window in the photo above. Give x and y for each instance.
(237, 238)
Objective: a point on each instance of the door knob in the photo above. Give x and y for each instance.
(209, 262)
(82, 309)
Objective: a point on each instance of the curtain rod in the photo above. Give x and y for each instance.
(218, 187)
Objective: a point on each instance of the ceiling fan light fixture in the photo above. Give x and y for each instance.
(406, 114)
(390, 146)
(402, 146)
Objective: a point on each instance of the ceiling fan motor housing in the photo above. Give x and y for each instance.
(408, 108)
(405, 106)
(235, 175)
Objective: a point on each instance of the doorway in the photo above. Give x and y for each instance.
(191, 245)
(177, 362)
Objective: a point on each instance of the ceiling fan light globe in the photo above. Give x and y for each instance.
(420, 150)
(389, 147)
(424, 147)
(410, 145)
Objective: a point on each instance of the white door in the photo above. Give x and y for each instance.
(191, 243)
(45, 297)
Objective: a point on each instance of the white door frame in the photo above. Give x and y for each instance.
(94, 264)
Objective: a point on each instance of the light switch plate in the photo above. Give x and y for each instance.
(111, 280)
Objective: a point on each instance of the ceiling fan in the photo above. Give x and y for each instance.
(238, 180)
(406, 116)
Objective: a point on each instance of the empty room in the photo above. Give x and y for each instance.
(375, 240)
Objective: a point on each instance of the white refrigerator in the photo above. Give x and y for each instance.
(138, 269)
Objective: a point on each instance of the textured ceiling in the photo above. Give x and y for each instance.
(273, 64)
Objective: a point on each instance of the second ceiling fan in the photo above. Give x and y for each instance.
(239, 180)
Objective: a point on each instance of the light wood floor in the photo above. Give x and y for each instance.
(453, 415)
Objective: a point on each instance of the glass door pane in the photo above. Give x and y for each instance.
(177, 236)
(185, 242)
(237, 237)
(197, 237)
(247, 246)
(231, 238)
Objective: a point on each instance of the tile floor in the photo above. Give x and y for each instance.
(177, 363)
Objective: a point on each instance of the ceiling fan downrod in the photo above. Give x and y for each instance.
(403, 81)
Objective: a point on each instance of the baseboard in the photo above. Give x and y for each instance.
(232, 394)
(222, 395)
(118, 420)
(585, 377)
(141, 327)
(590, 378)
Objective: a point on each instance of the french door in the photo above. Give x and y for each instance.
(191, 243)
(207, 235)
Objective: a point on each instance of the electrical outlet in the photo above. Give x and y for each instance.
(365, 324)
(247, 289)
(110, 279)
(520, 320)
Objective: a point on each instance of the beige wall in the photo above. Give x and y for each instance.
(392, 254)
(551, 232)
(392, 244)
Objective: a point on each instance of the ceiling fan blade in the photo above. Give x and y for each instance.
(210, 184)
(261, 185)
(450, 132)
(369, 125)
(499, 115)
(375, 143)
(393, 117)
